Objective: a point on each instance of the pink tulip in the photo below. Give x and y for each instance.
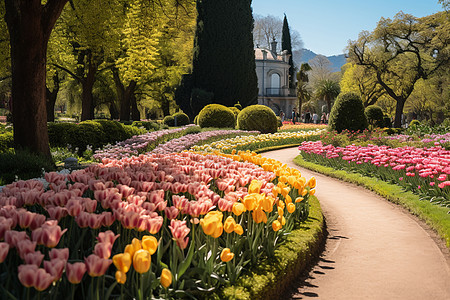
(5, 225)
(107, 237)
(179, 232)
(62, 253)
(107, 219)
(103, 250)
(96, 266)
(53, 177)
(75, 272)
(27, 275)
(13, 237)
(171, 212)
(34, 258)
(83, 219)
(154, 224)
(74, 207)
(125, 190)
(37, 221)
(4, 249)
(95, 221)
(24, 247)
(49, 234)
(57, 212)
(180, 202)
(55, 267)
(130, 220)
(89, 205)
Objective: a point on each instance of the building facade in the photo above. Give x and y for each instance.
(272, 70)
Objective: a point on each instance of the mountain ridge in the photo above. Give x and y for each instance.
(305, 55)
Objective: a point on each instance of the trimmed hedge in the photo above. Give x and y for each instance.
(182, 118)
(169, 121)
(149, 125)
(348, 113)
(216, 115)
(257, 117)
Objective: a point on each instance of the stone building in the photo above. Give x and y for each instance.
(272, 70)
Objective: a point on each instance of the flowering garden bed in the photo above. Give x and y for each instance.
(174, 225)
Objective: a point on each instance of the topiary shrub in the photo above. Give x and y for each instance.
(182, 118)
(169, 121)
(133, 130)
(196, 120)
(279, 122)
(87, 133)
(374, 115)
(216, 115)
(238, 106)
(257, 117)
(348, 113)
(58, 134)
(114, 131)
(148, 125)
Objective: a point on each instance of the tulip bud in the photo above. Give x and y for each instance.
(166, 278)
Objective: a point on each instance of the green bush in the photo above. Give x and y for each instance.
(235, 111)
(196, 120)
(87, 133)
(348, 113)
(6, 141)
(414, 123)
(182, 118)
(279, 122)
(169, 121)
(59, 134)
(149, 125)
(22, 164)
(387, 121)
(257, 117)
(133, 130)
(114, 131)
(216, 115)
(374, 115)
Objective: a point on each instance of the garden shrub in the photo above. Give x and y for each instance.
(235, 111)
(6, 141)
(196, 120)
(23, 164)
(126, 122)
(182, 118)
(114, 131)
(149, 125)
(257, 117)
(133, 130)
(279, 122)
(59, 134)
(387, 121)
(87, 133)
(348, 113)
(169, 121)
(216, 115)
(414, 123)
(374, 115)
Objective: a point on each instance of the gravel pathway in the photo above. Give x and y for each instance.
(374, 250)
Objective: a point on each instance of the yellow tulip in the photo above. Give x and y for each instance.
(304, 192)
(275, 191)
(283, 178)
(276, 225)
(166, 278)
(212, 223)
(238, 208)
(226, 255)
(285, 191)
(291, 207)
(312, 182)
(312, 192)
(281, 204)
(288, 199)
(229, 224)
(133, 247)
(218, 231)
(238, 229)
(149, 243)
(292, 179)
(282, 220)
(142, 261)
(298, 199)
(122, 261)
(267, 204)
(259, 216)
(250, 201)
(121, 277)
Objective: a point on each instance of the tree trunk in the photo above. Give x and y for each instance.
(399, 112)
(51, 99)
(87, 99)
(29, 25)
(135, 114)
(113, 111)
(165, 106)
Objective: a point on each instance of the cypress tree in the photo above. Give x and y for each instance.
(286, 45)
(224, 58)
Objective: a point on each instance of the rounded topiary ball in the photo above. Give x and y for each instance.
(216, 115)
(374, 115)
(182, 118)
(257, 117)
(348, 113)
(169, 121)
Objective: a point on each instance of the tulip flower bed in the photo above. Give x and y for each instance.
(187, 141)
(260, 141)
(288, 126)
(423, 170)
(140, 144)
(174, 225)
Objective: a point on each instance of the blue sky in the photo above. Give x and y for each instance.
(325, 26)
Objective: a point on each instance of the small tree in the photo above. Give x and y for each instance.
(348, 113)
(286, 45)
(374, 116)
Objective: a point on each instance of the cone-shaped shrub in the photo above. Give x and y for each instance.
(348, 113)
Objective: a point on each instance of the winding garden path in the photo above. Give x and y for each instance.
(374, 249)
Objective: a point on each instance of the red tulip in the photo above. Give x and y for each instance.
(75, 272)
(55, 267)
(96, 266)
(4, 249)
(34, 258)
(59, 254)
(107, 237)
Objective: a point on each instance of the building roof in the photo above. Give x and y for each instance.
(270, 54)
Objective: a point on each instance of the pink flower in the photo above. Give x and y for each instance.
(5, 225)
(4, 249)
(57, 212)
(154, 224)
(24, 247)
(96, 266)
(432, 183)
(32, 276)
(89, 205)
(34, 258)
(107, 237)
(55, 267)
(107, 218)
(179, 232)
(13, 237)
(49, 234)
(74, 207)
(171, 212)
(103, 250)
(75, 272)
(59, 254)
(401, 178)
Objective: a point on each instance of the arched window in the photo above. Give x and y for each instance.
(275, 84)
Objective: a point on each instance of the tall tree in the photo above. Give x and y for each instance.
(303, 93)
(402, 51)
(328, 90)
(30, 24)
(224, 59)
(286, 45)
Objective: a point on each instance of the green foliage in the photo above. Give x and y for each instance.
(182, 118)
(374, 115)
(22, 164)
(169, 121)
(279, 122)
(224, 58)
(87, 133)
(257, 117)
(58, 134)
(348, 113)
(6, 141)
(238, 106)
(133, 130)
(148, 125)
(199, 99)
(196, 120)
(216, 115)
(286, 45)
(235, 111)
(414, 123)
(114, 131)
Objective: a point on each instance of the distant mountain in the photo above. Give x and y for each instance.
(305, 55)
